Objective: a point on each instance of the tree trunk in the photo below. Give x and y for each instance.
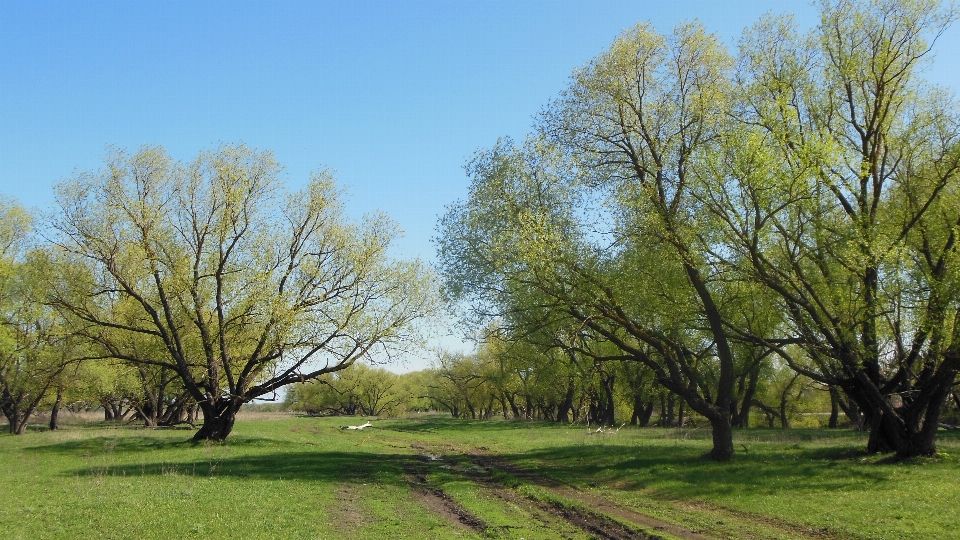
(666, 415)
(17, 420)
(513, 406)
(19, 427)
(769, 412)
(563, 412)
(637, 410)
(742, 418)
(55, 411)
(722, 437)
(18, 415)
(489, 412)
(852, 411)
(12, 422)
(218, 419)
(785, 402)
(647, 413)
(907, 437)
(609, 416)
(834, 409)
(908, 428)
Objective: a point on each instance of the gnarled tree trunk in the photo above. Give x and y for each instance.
(218, 419)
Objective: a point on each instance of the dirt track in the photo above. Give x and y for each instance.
(571, 507)
(561, 516)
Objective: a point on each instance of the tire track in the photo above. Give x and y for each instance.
(439, 502)
(595, 524)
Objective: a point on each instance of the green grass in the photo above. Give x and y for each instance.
(304, 478)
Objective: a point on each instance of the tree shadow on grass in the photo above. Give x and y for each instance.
(144, 443)
(679, 474)
(682, 474)
(346, 467)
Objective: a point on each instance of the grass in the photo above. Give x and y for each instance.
(287, 477)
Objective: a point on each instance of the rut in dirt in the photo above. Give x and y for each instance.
(609, 509)
(594, 524)
(439, 502)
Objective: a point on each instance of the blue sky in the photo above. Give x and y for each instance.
(393, 95)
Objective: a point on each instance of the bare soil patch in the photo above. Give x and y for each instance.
(346, 516)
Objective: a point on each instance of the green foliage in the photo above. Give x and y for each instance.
(701, 214)
(211, 270)
(358, 389)
(36, 346)
(834, 187)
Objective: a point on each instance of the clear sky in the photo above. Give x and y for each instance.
(394, 95)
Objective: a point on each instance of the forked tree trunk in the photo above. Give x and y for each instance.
(906, 437)
(18, 415)
(741, 417)
(513, 407)
(910, 429)
(17, 422)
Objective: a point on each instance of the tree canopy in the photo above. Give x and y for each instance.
(211, 270)
(701, 213)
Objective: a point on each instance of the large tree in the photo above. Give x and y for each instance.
(839, 193)
(210, 269)
(524, 251)
(632, 263)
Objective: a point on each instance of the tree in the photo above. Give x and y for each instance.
(838, 192)
(457, 384)
(34, 347)
(600, 206)
(211, 270)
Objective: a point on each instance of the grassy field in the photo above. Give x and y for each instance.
(433, 477)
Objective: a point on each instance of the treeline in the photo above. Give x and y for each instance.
(711, 216)
(501, 382)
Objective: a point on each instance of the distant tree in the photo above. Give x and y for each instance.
(456, 384)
